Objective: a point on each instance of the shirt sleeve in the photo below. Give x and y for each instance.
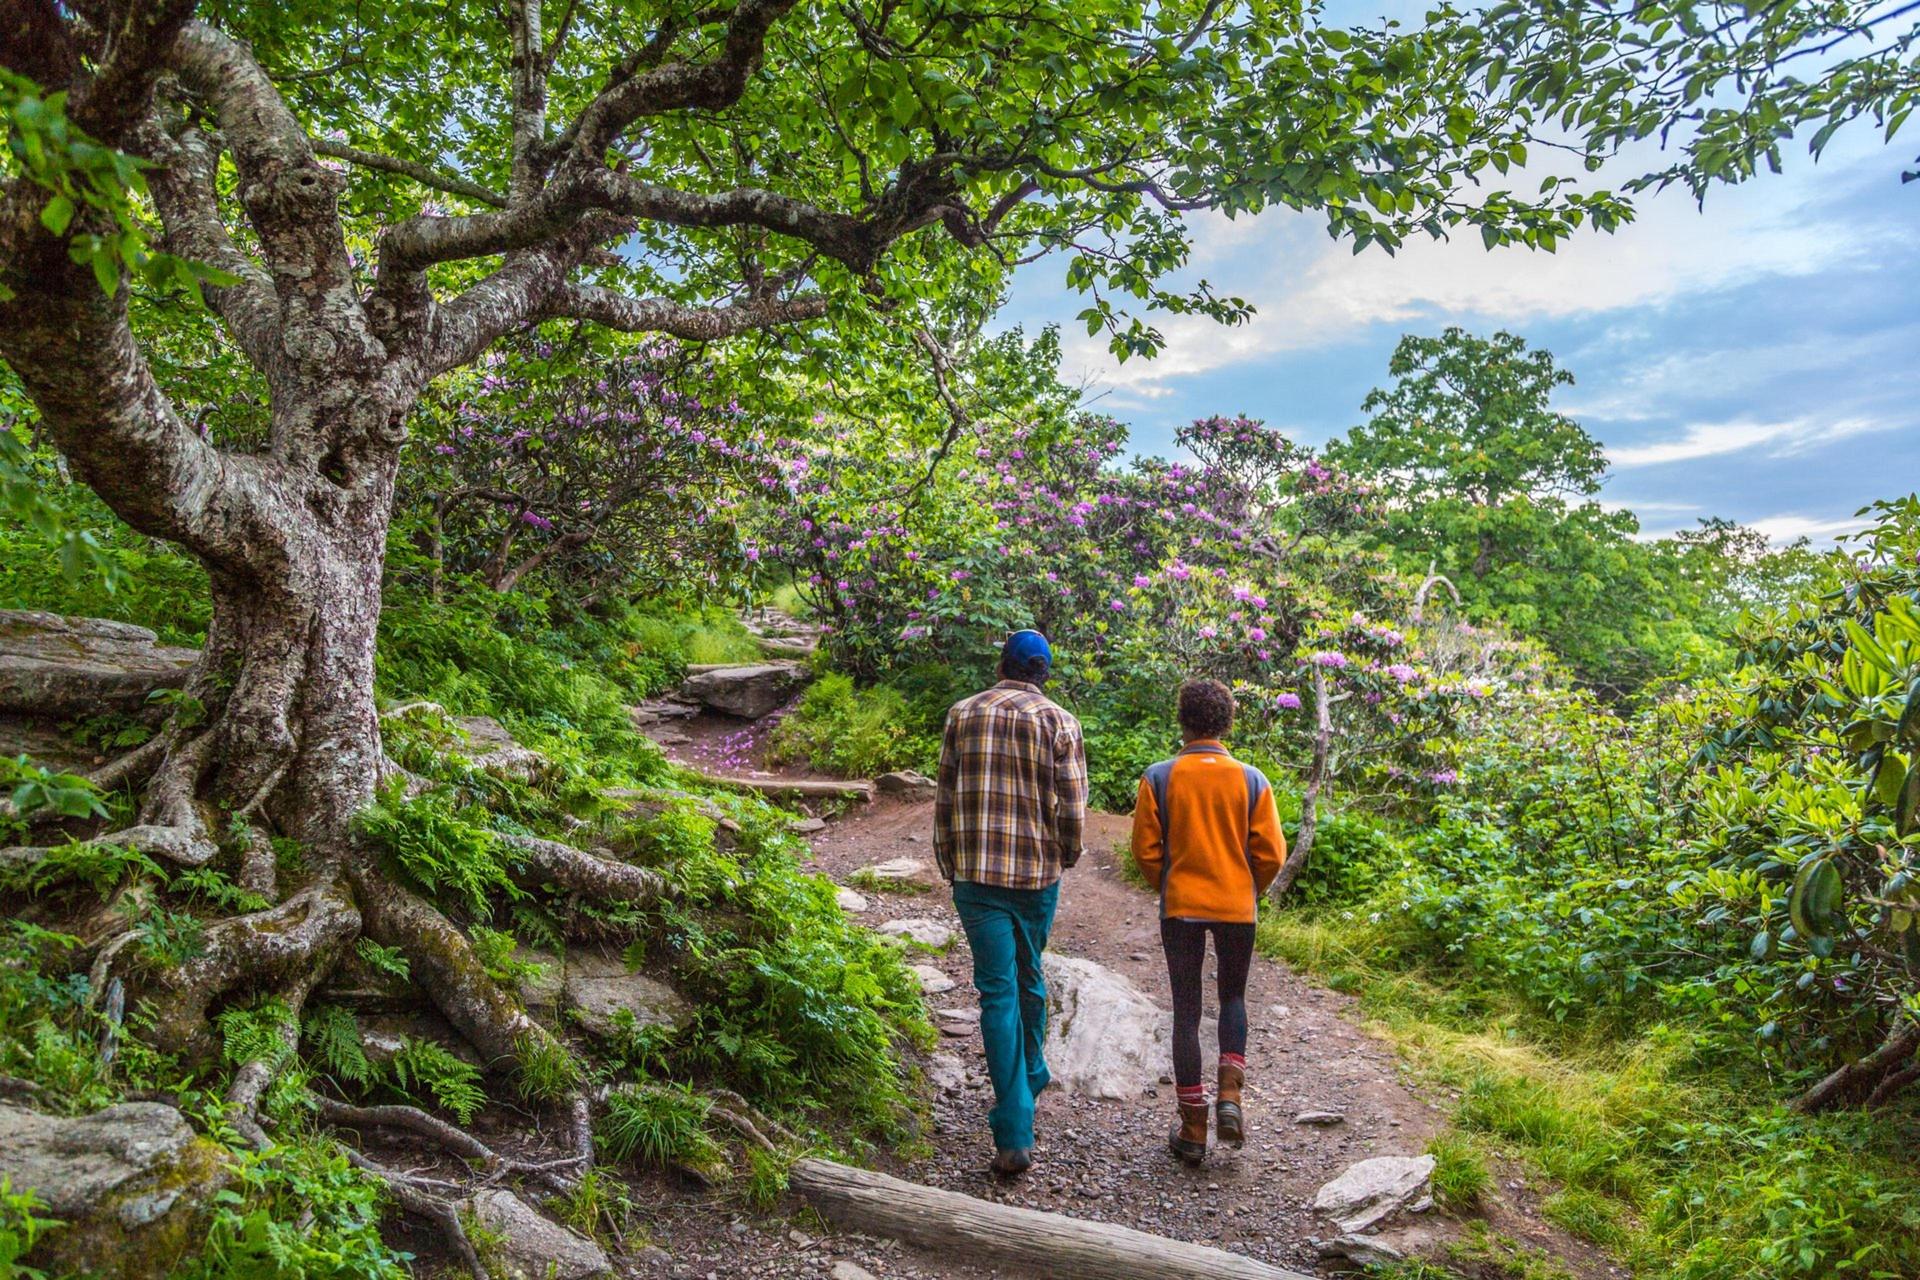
(1266, 842)
(1069, 792)
(943, 799)
(1147, 835)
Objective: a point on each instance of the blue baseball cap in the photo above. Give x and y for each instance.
(1022, 645)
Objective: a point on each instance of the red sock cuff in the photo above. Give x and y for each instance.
(1192, 1093)
(1234, 1060)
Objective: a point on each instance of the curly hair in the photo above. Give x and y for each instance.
(1206, 708)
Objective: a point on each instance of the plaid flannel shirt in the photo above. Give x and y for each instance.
(1012, 805)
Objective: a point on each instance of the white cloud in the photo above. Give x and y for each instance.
(1310, 291)
(1712, 439)
(1786, 528)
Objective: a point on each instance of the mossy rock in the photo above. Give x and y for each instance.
(130, 1186)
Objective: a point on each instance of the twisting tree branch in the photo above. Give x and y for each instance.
(452, 184)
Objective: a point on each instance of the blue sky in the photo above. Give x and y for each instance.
(1758, 360)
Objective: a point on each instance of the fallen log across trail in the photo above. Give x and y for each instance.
(1053, 1244)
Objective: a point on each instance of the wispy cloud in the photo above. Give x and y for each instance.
(1787, 528)
(1712, 439)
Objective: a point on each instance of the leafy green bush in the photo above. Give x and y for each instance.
(854, 732)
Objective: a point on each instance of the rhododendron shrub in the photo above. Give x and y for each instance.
(1235, 564)
(591, 474)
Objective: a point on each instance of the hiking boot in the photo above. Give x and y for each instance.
(1188, 1139)
(1228, 1118)
(1012, 1162)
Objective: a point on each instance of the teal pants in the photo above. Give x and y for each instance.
(1007, 930)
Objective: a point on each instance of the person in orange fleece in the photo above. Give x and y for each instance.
(1207, 834)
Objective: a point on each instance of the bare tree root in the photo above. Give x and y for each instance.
(588, 875)
(1894, 1084)
(251, 1080)
(293, 942)
(734, 1102)
(742, 1126)
(1868, 1075)
(442, 961)
(416, 1195)
(133, 768)
(450, 1138)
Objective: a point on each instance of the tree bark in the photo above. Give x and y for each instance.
(1302, 849)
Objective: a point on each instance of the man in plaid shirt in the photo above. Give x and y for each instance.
(1007, 820)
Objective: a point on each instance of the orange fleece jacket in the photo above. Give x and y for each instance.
(1206, 832)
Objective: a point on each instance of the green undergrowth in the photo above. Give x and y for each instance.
(858, 732)
(798, 1016)
(1678, 1171)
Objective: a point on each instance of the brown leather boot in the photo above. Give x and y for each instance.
(1231, 1123)
(1188, 1139)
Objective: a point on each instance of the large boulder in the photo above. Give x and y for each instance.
(62, 668)
(749, 692)
(599, 986)
(129, 1185)
(1106, 1038)
(1370, 1192)
(522, 1244)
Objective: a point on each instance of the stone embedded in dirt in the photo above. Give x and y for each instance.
(844, 1270)
(903, 782)
(130, 1183)
(797, 647)
(932, 981)
(749, 692)
(526, 1245)
(600, 985)
(850, 900)
(1370, 1192)
(958, 1023)
(1321, 1118)
(60, 668)
(1105, 1037)
(807, 826)
(491, 749)
(946, 1072)
(927, 932)
(655, 711)
(1365, 1251)
(916, 871)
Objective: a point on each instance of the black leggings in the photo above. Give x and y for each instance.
(1185, 942)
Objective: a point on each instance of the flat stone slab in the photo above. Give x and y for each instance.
(932, 981)
(55, 668)
(1106, 1038)
(1371, 1191)
(531, 1246)
(851, 901)
(599, 986)
(927, 932)
(903, 870)
(748, 692)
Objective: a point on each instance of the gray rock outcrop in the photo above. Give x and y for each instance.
(1106, 1038)
(599, 986)
(129, 1184)
(749, 692)
(60, 668)
(1370, 1192)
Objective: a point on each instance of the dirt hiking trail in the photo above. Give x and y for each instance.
(1106, 1159)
